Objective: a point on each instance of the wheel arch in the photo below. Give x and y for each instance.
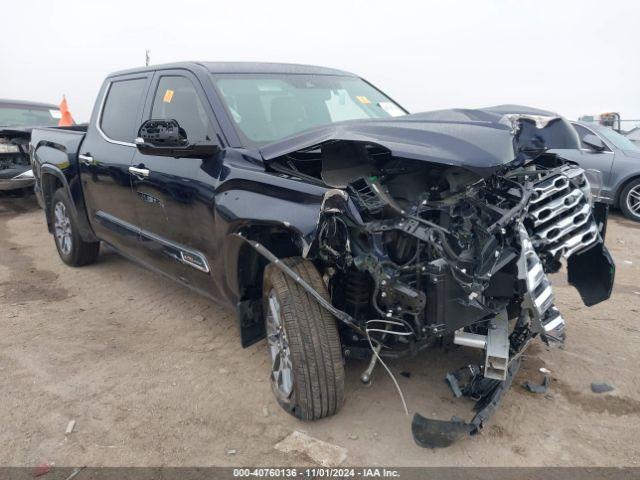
(623, 185)
(245, 269)
(51, 179)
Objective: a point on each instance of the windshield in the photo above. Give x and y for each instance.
(29, 117)
(268, 107)
(619, 141)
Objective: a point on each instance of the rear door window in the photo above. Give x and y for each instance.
(120, 111)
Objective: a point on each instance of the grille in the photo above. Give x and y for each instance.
(539, 296)
(560, 214)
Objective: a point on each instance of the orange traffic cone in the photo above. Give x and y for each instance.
(66, 119)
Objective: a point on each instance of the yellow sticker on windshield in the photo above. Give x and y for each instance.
(363, 99)
(168, 96)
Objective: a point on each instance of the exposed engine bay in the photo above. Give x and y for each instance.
(472, 241)
(419, 253)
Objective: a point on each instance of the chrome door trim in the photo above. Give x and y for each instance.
(86, 159)
(99, 118)
(180, 253)
(139, 172)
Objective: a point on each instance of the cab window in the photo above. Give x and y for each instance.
(120, 111)
(176, 98)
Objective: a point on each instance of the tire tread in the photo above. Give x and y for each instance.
(313, 340)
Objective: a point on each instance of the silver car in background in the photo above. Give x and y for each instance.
(618, 160)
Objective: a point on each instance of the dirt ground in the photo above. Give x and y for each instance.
(154, 375)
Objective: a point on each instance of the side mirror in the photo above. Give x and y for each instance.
(166, 138)
(593, 142)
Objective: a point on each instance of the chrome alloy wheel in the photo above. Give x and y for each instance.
(633, 200)
(62, 228)
(281, 369)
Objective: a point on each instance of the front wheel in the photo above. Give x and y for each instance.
(630, 200)
(72, 249)
(307, 372)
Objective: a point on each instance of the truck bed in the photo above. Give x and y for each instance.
(55, 150)
(47, 144)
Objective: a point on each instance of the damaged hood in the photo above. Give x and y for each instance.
(479, 140)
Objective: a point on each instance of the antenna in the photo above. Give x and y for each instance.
(147, 57)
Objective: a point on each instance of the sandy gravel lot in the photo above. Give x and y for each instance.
(154, 375)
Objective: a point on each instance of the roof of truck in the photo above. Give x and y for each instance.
(26, 103)
(242, 67)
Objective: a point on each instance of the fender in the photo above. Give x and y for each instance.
(266, 233)
(339, 314)
(244, 264)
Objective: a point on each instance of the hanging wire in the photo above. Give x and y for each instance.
(404, 404)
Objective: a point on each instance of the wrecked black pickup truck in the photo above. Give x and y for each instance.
(333, 221)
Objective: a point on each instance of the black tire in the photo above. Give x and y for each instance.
(312, 338)
(629, 198)
(79, 252)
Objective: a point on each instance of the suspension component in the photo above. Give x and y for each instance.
(357, 292)
(365, 377)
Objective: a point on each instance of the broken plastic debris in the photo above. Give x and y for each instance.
(602, 387)
(70, 426)
(535, 388)
(432, 433)
(546, 371)
(454, 385)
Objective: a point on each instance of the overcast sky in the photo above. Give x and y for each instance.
(573, 57)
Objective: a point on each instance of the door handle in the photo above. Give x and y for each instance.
(86, 159)
(139, 172)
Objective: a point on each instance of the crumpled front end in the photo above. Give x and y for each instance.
(467, 265)
(418, 254)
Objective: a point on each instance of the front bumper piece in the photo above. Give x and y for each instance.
(10, 179)
(431, 433)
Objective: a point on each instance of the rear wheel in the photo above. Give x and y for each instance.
(72, 249)
(630, 200)
(307, 373)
